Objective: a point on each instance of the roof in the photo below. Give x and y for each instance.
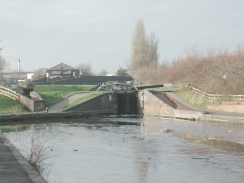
(62, 65)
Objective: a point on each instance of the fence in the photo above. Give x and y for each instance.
(213, 97)
(9, 93)
(35, 104)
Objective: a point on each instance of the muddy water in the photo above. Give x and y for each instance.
(143, 154)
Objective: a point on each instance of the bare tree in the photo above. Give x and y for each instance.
(7, 66)
(37, 74)
(2, 62)
(217, 72)
(38, 151)
(103, 72)
(143, 51)
(2, 65)
(139, 52)
(153, 49)
(85, 70)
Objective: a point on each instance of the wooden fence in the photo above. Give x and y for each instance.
(9, 93)
(213, 97)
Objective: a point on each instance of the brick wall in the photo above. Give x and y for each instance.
(35, 104)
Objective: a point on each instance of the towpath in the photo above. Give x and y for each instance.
(56, 107)
(178, 103)
(14, 167)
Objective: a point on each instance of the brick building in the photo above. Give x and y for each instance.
(63, 70)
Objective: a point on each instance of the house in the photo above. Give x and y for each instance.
(63, 70)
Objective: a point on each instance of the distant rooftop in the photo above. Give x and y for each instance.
(62, 65)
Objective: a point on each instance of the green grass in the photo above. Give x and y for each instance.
(165, 89)
(51, 93)
(89, 96)
(10, 106)
(195, 99)
(62, 88)
(56, 93)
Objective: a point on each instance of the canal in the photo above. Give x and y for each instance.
(159, 150)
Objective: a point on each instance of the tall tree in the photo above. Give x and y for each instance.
(153, 49)
(2, 63)
(144, 51)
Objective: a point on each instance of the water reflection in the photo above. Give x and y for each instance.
(148, 153)
(15, 128)
(232, 147)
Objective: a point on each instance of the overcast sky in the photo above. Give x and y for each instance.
(44, 33)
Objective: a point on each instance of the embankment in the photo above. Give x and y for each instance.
(133, 104)
(170, 106)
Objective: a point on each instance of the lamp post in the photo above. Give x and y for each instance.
(47, 75)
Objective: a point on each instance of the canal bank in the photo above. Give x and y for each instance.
(169, 105)
(14, 167)
(121, 104)
(143, 103)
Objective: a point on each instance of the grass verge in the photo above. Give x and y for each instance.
(195, 99)
(10, 106)
(53, 94)
(87, 97)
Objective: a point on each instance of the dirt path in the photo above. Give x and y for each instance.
(56, 107)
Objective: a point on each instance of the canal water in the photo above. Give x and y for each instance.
(156, 151)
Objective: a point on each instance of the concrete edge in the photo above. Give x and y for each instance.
(194, 115)
(31, 172)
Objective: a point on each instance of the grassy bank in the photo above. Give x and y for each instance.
(89, 96)
(10, 106)
(51, 93)
(193, 98)
(56, 93)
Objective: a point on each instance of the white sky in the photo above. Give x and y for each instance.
(44, 33)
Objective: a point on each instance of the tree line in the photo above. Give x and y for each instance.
(217, 72)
